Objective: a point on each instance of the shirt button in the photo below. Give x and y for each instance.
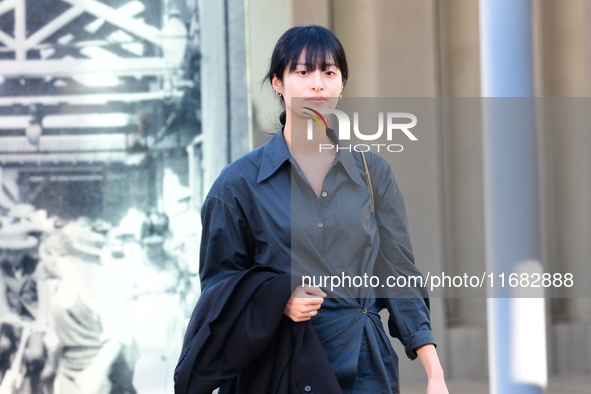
(364, 310)
(307, 389)
(320, 224)
(324, 194)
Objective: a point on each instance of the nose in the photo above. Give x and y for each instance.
(316, 81)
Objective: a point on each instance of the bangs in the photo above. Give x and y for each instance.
(316, 56)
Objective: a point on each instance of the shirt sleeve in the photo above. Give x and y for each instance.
(408, 305)
(226, 240)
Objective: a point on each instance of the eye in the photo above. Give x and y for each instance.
(330, 73)
(303, 72)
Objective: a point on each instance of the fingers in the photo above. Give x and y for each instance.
(302, 315)
(309, 307)
(309, 302)
(308, 292)
(306, 304)
(303, 306)
(313, 291)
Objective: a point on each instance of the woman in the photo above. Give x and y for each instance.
(90, 348)
(297, 209)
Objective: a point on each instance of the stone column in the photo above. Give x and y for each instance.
(224, 87)
(565, 60)
(392, 52)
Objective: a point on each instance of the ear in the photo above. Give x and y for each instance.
(277, 85)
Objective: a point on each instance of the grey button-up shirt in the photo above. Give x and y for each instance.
(262, 210)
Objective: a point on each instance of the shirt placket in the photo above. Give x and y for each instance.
(319, 225)
(323, 203)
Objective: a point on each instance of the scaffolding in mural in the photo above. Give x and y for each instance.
(87, 81)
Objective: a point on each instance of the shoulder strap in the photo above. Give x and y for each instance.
(369, 187)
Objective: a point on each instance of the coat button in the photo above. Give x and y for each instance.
(307, 389)
(364, 310)
(324, 194)
(320, 224)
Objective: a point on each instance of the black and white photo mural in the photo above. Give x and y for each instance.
(100, 158)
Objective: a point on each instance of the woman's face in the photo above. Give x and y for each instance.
(316, 89)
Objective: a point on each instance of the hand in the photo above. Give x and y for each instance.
(437, 386)
(430, 360)
(304, 303)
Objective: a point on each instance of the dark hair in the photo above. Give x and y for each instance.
(321, 46)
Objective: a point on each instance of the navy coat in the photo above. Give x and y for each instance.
(239, 339)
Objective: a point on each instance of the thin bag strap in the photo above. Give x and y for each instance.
(369, 187)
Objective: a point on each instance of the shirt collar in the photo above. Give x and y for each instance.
(275, 153)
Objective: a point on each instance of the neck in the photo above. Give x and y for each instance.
(295, 133)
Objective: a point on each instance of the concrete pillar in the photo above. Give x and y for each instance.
(318, 12)
(565, 52)
(391, 47)
(392, 52)
(565, 61)
(459, 54)
(459, 47)
(224, 87)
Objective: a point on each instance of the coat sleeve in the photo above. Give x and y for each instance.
(408, 305)
(226, 240)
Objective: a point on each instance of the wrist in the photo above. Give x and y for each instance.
(436, 375)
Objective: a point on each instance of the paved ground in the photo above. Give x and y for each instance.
(577, 384)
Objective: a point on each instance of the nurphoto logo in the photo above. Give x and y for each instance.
(344, 131)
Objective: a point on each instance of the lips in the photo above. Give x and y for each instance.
(316, 99)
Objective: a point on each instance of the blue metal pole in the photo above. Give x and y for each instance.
(506, 48)
(509, 171)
